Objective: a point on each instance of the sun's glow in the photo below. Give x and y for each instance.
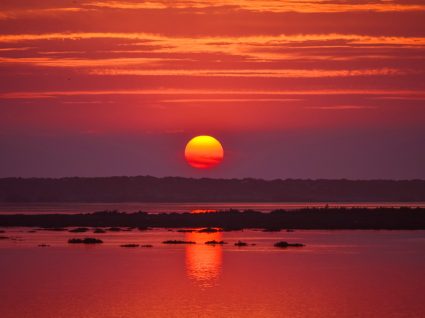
(204, 152)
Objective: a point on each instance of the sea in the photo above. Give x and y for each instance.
(338, 273)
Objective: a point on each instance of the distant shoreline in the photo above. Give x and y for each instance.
(183, 207)
(178, 189)
(314, 218)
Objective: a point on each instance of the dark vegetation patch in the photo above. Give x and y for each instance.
(284, 244)
(79, 230)
(87, 240)
(178, 242)
(241, 244)
(130, 245)
(309, 218)
(214, 242)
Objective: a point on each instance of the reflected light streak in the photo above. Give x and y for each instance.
(203, 262)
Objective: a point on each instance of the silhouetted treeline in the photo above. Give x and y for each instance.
(323, 218)
(176, 189)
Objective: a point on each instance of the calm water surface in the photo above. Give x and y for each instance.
(337, 274)
(71, 208)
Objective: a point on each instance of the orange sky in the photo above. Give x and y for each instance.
(78, 75)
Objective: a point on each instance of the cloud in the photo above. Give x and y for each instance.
(40, 12)
(79, 62)
(261, 48)
(218, 41)
(269, 73)
(31, 10)
(228, 100)
(342, 107)
(313, 6)
(212, 92)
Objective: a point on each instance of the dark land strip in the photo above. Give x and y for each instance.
(312, 218)
(177, 189)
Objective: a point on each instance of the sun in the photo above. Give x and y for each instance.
(204, 152)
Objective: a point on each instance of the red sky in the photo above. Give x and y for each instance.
(293, 89)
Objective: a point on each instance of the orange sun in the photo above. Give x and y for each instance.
(204, 152)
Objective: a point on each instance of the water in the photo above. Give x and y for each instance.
(71, 208)
(337, 274)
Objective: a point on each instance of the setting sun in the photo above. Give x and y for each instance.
(204, 152)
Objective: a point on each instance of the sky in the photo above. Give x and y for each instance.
(293, 89)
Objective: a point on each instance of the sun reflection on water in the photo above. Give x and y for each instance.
(203, 211)
(203, 262)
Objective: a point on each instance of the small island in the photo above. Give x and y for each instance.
(130, 245)
(79, 230)
(284, 244)
(87, 240)
(178, 242)
(241, 244)
(214, 242)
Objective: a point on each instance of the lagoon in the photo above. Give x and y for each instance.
(352, 273)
